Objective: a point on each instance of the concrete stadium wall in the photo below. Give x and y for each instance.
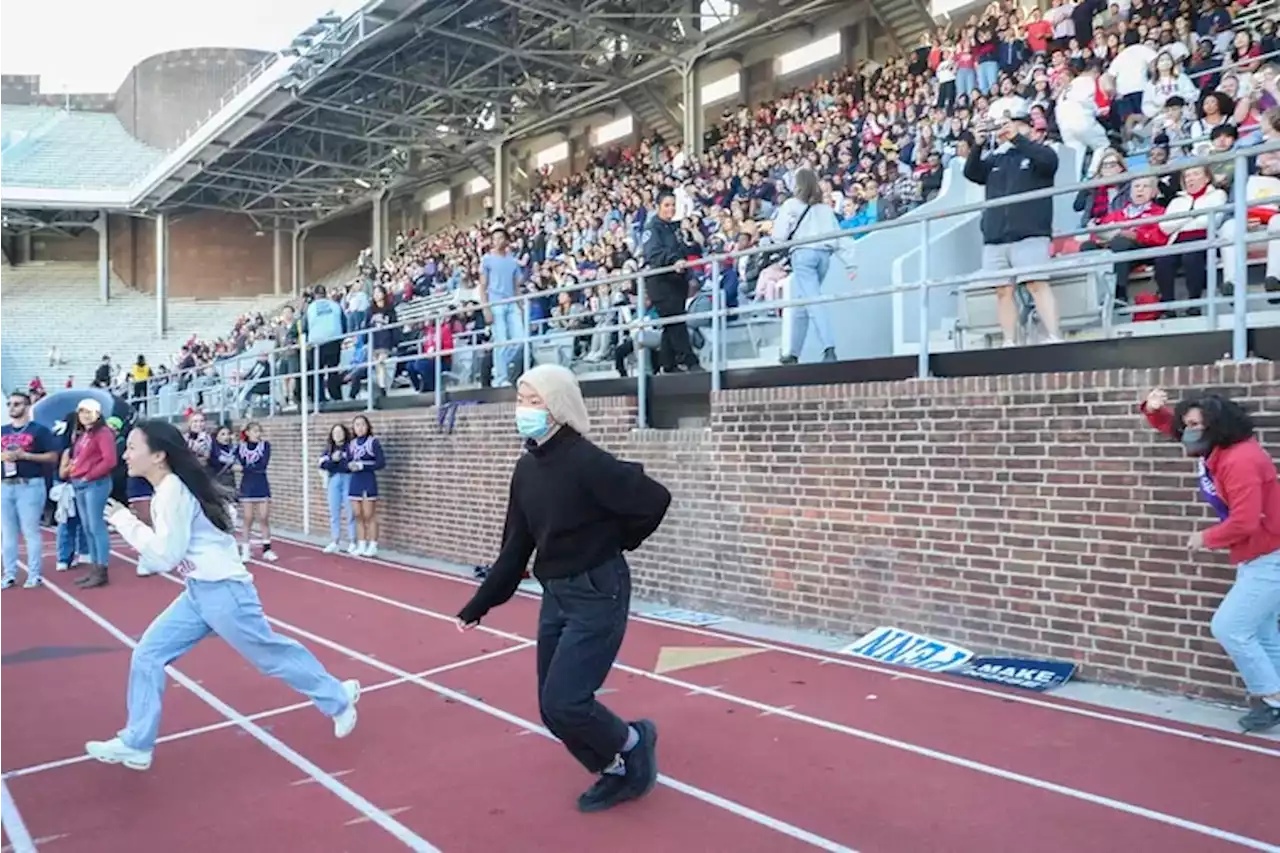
(213, 255)
(1033, 515)
(167, 95)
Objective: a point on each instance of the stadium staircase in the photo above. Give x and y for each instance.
(56, 304)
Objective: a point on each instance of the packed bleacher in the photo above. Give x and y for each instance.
(1126, 84)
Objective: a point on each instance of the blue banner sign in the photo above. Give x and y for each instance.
(684, 617)
(893, 645)
(1037, 675)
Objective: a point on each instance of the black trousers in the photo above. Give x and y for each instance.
(580, 630)
(325, 359)
(669, 297)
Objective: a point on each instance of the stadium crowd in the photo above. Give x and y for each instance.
(1132, 82)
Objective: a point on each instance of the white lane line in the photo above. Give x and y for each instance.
(44, 839)
(757, 817)
(338, 775)
(19, 838)
(275, 712)
(356, 821)
(853, 663)
(398, 830)
(840, 728)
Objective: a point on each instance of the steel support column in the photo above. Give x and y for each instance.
(501, 189)
(692, 97)
(162, 273)
(277, 259)
(104, 258)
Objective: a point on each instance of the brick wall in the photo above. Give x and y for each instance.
(1019, 514)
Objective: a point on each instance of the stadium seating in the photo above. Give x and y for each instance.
(57, 303)
(54, 149)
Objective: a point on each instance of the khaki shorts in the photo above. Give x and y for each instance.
(1029, 251)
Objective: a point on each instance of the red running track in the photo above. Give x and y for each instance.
(777, 749)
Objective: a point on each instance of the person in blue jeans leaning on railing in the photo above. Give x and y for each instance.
(27, 449)
(89, 466)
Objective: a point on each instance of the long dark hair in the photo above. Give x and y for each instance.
(1225, 421)
(346, 438)
(215, 501)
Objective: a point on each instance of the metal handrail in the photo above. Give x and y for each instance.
(719, 314)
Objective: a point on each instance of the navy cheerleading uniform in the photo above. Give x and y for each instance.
(222, 465)
(364, 480)
(139, 489)
(253, 475)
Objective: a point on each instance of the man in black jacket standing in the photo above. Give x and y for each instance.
(669, 292)
(1016, 235)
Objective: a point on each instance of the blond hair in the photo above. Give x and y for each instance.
(559, 390)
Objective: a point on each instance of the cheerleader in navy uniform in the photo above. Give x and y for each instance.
(364, 461)
(255, 491)
(222, 459)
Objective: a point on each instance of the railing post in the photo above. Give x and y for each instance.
(922, 357)
(305, 409)
(717, 300)
(527, 347)
(439, 364)
(371, 368)
(1240, 295)
(1211, 275)
(642, 360)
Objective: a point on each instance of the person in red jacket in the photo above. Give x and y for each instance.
(92, 462)
(1238, 481)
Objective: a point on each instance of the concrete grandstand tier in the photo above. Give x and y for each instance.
(168, 94)
(52, 148)
(55, 304)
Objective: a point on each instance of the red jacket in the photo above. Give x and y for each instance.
(1245, 476)
(94, 455)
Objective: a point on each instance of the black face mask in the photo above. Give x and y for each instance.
(1194, 442)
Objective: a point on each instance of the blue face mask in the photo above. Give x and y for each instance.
(532, 423)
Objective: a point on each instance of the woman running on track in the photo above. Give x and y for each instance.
(194, 537)
(580, 509)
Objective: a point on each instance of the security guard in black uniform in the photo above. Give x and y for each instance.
(669, 292)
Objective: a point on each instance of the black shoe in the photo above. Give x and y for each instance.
(1261, 718)
(608, 791)
(642, 761)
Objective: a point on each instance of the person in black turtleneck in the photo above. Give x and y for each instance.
(580, 508)
(664, 246)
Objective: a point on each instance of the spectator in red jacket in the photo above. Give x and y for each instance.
(92, 461)
(1238, 480)
(1141, 205)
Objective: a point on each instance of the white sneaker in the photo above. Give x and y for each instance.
(371, 549)
(331, 548)
(82, 560)
(346, 721)
(115, 752)
(61, 567)
(31, 582)
(355, 549)
(269, 555)
(246, 553)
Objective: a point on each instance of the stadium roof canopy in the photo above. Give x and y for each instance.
(409, 92)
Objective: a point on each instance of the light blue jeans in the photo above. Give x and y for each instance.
(808, 271)
(21, 505)
(508, 325)
(339, 502)
(1246, 624)
(91, 502)
(231, 610)
(72, 540)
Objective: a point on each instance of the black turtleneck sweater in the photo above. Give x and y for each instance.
(578, 506)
